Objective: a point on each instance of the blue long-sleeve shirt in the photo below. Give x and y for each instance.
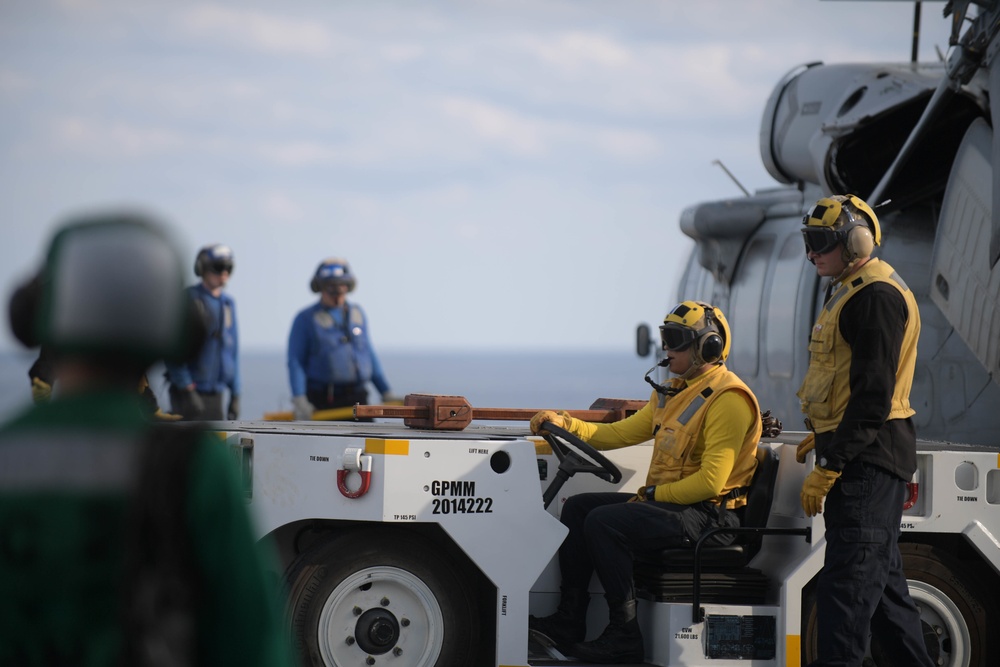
(331, 346)
(217, 365)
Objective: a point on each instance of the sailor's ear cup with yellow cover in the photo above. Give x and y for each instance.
(700, 325)
(860, 242)
(333, 271)
(849, 220)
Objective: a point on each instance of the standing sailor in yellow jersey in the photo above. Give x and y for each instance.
(862, 353)
(706, 425)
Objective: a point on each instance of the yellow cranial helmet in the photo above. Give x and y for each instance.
(841, 219)
(701, 325)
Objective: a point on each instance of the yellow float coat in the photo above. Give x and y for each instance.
(826, 388)
(705, 437)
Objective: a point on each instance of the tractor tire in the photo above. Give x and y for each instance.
(380, 596)
(955, 609)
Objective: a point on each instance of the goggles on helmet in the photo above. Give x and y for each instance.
(821, 240)
(331, 272)
(220, 265)
(677, 337)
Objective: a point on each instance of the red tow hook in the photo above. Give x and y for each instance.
(912, 492)
(355, 461)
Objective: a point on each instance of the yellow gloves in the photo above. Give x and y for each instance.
(807, 445)
(166, 416)
(815, 487)
(560, 419)
(41, 391)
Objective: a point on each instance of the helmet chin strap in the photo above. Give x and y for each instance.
(851, 266)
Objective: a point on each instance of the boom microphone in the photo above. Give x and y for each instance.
(660, 389)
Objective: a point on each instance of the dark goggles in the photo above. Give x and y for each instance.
(820, 240)
(220, 266)
(676, 337)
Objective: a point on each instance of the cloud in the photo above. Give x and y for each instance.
(122, 139)
(529, 137)
(281, 206)
(499, 126)
(297, 153)
(258, 30)
(13, 82)
(576, 51)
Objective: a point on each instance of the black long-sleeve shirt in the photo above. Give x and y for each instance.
(872, 323)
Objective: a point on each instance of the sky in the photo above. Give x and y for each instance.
(499, 174)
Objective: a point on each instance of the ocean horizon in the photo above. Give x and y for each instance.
(486, 378)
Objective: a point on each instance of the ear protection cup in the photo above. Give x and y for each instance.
(23, 312)
(710, 347)
(314, 284)
(198, 261)
(860, 242)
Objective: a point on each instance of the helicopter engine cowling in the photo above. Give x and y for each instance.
(841, 126)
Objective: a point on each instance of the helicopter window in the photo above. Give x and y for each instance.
(746, 305)
(779, 329)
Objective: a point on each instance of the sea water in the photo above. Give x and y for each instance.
(487, 379)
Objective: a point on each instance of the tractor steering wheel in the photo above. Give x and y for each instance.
(584, 459)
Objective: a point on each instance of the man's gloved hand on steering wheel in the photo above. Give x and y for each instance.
(561, 419)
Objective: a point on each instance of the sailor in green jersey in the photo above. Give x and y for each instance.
(121, 542)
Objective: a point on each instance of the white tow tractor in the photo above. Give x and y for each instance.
(407, 546)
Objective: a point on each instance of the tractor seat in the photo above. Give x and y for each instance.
(666, 574)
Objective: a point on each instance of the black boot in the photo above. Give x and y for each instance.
(569, 624)
(620, 642)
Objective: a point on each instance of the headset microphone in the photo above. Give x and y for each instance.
(660, 389)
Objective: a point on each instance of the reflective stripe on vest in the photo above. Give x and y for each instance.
(61, 462)
(678, 423)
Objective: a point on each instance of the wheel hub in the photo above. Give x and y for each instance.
(380, 611)
(377, 631)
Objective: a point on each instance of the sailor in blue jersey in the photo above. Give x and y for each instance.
(197, 389)
(330, 357)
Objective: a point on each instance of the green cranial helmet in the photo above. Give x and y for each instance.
(111, 287)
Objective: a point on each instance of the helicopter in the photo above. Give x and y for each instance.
(916, 141)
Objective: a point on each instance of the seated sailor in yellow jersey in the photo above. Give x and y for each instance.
(705, 425)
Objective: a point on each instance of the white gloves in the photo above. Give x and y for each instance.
(302, 408)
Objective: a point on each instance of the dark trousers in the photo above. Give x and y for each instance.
(862, 587)
(605, 531)
(338, 396)
(206, 407)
